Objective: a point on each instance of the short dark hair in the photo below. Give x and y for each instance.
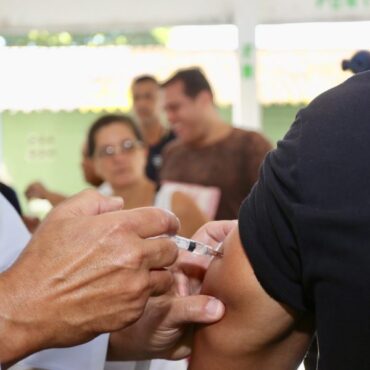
(107, 120)
(193, 79)
(145, 78)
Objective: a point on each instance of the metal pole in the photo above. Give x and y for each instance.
(246, 17)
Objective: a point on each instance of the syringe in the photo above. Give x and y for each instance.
(195, 247)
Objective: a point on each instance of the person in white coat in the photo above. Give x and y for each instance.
(54, 288)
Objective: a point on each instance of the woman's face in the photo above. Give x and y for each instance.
(119, 157)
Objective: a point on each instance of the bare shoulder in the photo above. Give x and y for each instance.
(256, 331)
(184, 206)
(191, 217)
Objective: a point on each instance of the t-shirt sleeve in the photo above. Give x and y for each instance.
(255, 152)
(266, 223)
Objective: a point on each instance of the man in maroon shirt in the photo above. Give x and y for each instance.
(208, 151)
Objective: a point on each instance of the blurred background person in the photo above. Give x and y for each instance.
(146, 106)
(208, 150)
(360, 62)
(119, 154)
(40, 191)
(88, 170)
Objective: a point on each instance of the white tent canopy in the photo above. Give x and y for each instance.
(86, 15)
(93, 15)
(19, 16)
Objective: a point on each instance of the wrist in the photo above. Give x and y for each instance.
(17, 335)
(125, 345)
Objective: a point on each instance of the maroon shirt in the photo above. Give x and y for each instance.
(231, 164)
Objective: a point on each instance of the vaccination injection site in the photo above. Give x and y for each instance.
(184, 185)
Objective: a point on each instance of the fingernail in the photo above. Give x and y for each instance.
(172, 214)
(117, 200)
(214, 307)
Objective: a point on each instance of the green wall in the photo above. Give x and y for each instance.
(46, 146)
(276, 120)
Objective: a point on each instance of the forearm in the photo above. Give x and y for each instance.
(24, 328)
(134, 341)
(54, 198)
(191, 217)
(13, 337)
(129, 344)
(120, 344)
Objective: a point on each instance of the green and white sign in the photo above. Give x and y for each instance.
(273, 11)
(342, 4)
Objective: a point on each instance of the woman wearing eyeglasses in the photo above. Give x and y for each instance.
(119, 154)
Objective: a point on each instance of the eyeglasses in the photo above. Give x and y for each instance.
(126, 146)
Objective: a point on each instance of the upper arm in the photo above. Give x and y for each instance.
(256, 330)
(191, 217)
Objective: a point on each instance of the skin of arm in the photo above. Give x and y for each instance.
(38, 190)
(257, 332)
(55, 198)
(190, 216)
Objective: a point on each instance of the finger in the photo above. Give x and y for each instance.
(150, 221)
(159, 253)
(226, 228)
(195, 274)
(195, 309)
(215, 232)
(181, 286)
(160, 281)
(190, 261)
(87, 203)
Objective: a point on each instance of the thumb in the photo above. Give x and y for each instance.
(87, 203)
(214, 232)
(196, 309)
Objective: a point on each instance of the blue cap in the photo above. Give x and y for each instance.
(360, 62)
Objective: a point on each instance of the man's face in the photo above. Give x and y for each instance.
(184, 113)
(146, 100)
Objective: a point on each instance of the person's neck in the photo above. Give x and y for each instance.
(138, 194)
(217, 131)
(153, 131)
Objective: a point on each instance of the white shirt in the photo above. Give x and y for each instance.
(105, 189)
(90, 356)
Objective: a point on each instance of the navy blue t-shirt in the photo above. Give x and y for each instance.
(154, 162)
(306, 224)
(11, 196)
